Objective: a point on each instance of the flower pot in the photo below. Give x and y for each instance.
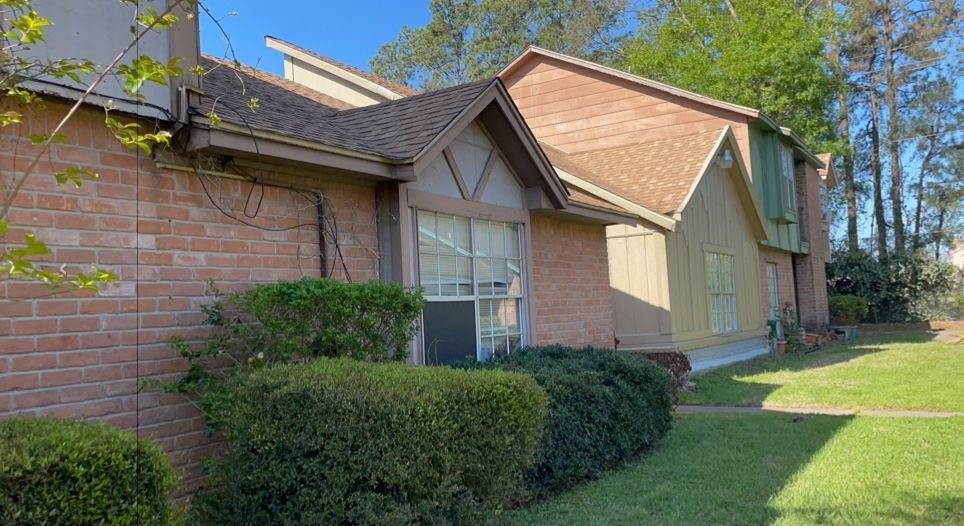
(781, 347)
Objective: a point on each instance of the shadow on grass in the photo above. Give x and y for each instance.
(929, 510)
(712, 469)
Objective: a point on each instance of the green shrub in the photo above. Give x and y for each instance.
(373, 320)
(337, 441)
(898, 289)
(604, 408)
(847, 309)
(295, 321)
(67, 472)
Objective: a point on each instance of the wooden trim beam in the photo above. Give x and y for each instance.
(454, 167)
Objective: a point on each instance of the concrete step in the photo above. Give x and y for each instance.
(720, 355)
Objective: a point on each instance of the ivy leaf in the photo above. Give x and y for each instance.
(9, 117)
(40, 138)
(75, 175)
(28, 28)
(146, 69)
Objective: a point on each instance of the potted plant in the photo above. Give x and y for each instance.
(793, 334)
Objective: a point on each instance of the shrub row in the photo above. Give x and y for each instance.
(67, 472)
(338, 441)
(605, 407)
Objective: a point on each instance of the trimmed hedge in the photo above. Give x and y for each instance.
(337, 441)
(67, 472)
(604, 407)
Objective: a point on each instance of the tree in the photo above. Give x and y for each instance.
(468, 40)
(22, 27)
(766, 54)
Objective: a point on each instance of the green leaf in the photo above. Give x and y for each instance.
(146, 69)
(40, 138)
(28, 28)
(150, 18)
(75, 175)
(9, 117)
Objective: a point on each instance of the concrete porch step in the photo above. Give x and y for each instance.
(720, 355)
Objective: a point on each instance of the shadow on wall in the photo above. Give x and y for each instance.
(640, 323)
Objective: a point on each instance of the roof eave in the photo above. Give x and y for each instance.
(644, 213)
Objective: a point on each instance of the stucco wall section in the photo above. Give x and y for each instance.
(572, 303)
(82, 354)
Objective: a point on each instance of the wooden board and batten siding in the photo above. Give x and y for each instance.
(659, 279)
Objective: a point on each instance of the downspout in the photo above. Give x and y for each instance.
(796, 288)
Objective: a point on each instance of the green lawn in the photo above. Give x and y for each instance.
(777, 468)
(882, 371)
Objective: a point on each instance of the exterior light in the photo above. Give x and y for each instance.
(725, 159)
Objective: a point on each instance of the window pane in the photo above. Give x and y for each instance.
(499, 308)
(497, 245)
(726, 273)
(485, 317)
(515, 342)
(485, 351)
(717, 312)
(512, 310)
(466, 283)
(484, 268)
(481, 238)
(713, 272)
(428, 273)
(463, 236)
(447, 276)
(500, 346)
(446, 234)
(500, 277)
(426, 231)
(515, 277)
(512, 240)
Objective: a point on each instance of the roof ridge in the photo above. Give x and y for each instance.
(400, 88)
(419, 96)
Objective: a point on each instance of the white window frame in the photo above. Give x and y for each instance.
(521, 296)
(789, 181)
(721, 291)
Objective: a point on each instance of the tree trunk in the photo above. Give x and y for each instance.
(937, 238)
(920, 194)
(876, 173)
(893, 129)
(843, 128)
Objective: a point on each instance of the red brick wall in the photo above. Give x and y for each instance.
(82, 354)
(812, 267)
(572, 301)
(784, 264)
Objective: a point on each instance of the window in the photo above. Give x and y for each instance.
(789, 185)
(722, 289)
(773, 287)
(473, 261)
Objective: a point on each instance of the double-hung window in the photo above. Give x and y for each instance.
(472, 273)
(789, 185)
(721, 286)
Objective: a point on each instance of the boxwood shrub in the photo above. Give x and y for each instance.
(67, 472)
(337, 441)
(605, 407)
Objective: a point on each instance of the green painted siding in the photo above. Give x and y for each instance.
(768, 181)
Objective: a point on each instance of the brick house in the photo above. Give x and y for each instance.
(580, 107)
(446, 190)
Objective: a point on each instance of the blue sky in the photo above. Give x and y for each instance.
(350, 31)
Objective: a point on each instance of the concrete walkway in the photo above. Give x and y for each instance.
(814, 411)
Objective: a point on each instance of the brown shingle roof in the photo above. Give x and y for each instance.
(396, 87)
(281, 82)
(656, 175)
(397, 129)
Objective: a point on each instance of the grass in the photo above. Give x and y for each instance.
(883, 371)
(776, 468)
